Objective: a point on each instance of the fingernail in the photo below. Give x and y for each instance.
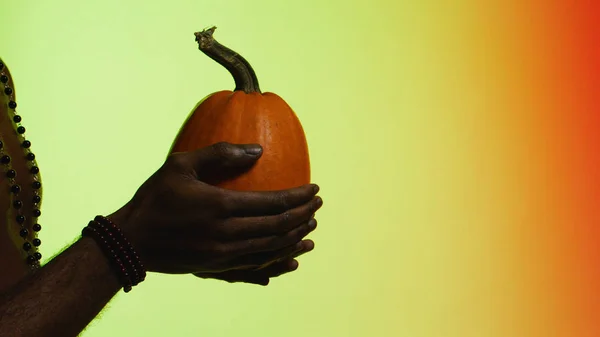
(312, 224)
(293, 265)
(319, 201)
(315, 188)
(253, 150)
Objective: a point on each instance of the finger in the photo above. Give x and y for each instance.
(236, 276)
(262, 276)
(275, 270)
(272, 243)
(308, 246)
(280, 268)
(257, 260)
(240, 203)
(250, 227)
(212, 161)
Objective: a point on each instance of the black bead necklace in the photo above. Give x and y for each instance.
(30, 241)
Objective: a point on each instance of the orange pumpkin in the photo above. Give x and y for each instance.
(244, 116)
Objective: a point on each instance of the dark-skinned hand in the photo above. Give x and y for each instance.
(182, 225)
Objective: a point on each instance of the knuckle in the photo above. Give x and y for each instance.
(284, 218)
(226, 228)
(291, 249)
(298, 247)
(177, 160)
(290, 238)
(302, 231)
(223, 149)
(221, 250)
(274, 242)
(164, 194)
(249, 245)
(225, 203)
(282, 200)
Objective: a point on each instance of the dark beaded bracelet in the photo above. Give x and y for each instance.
(116, 244)
(129, 249)
(110, 253)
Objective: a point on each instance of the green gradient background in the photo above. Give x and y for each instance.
(380, 87)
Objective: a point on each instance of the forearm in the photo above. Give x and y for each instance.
(63, 297)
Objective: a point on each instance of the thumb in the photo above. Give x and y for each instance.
(225, 158)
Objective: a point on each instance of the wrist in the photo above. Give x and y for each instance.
(121, 218)
(94, 256)
(117, 249)
(124, 219)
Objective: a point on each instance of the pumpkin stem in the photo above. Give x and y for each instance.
(243, 74)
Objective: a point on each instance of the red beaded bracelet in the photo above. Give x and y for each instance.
(118, 250)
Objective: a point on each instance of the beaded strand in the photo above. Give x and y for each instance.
(115, 246)
(31, 248)
(108, 236)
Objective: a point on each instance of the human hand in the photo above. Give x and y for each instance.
(178, 224)
(262, 275)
